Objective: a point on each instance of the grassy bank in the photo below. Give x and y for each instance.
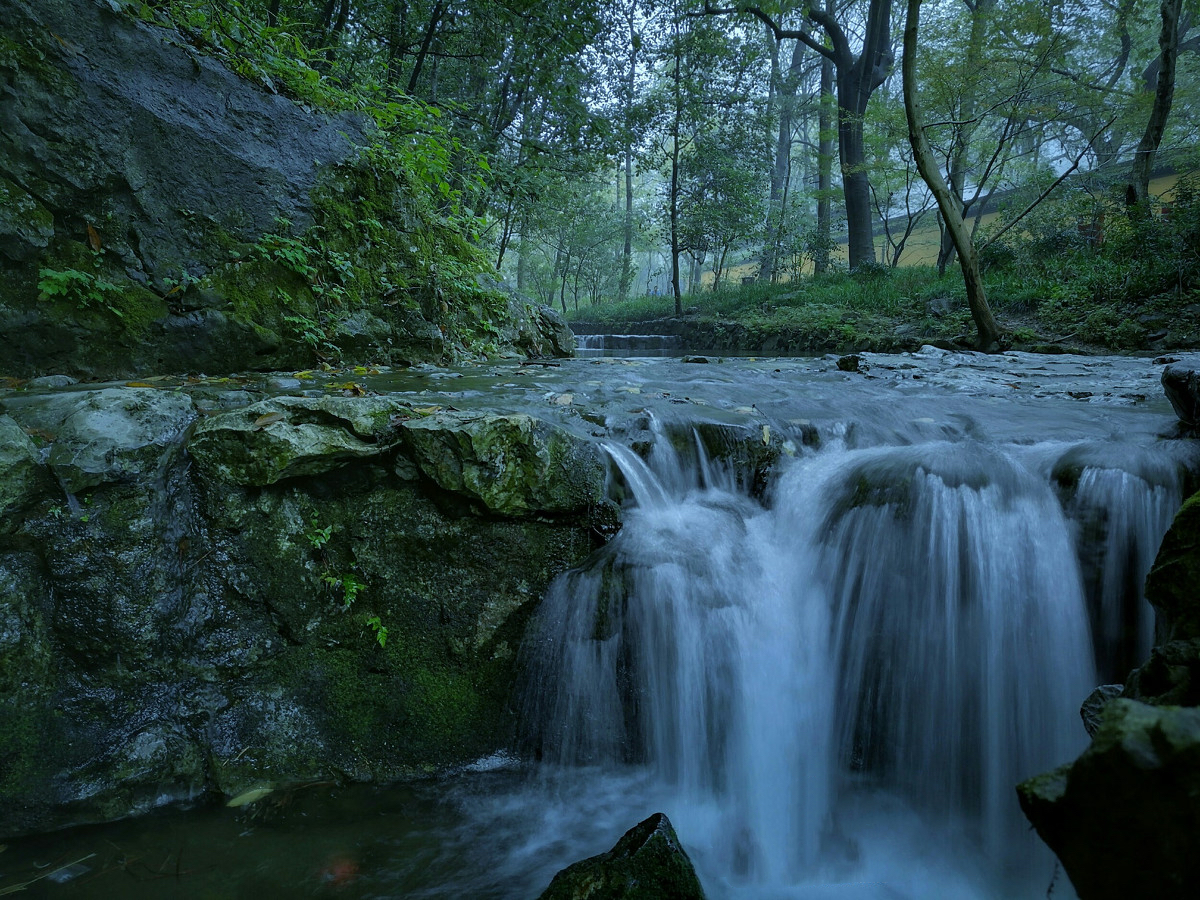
(1050, 290)
(840, 309)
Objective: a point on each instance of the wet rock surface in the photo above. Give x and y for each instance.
(196, 575)
(1123, 817)
(1181, 381)
(144, 190)
(291, 591)
(647, 863)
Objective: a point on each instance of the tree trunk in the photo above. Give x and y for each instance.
(431, 29)
(273, 14)
(335, 33)
(786, 99)
(965, 132)
(857, 79)
(981, 312)
(397, 26)
(1138, 192)
(860, 222)
(630, 89)
(824, 168)
(676, 287)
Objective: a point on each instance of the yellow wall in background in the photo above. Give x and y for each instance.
(922, 246)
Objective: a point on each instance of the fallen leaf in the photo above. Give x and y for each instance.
(766, 434)
(251, 796)
(93, 238)
(268, 419)
(426, 410)
(138, 384)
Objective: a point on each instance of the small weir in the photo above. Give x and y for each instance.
(644, 345)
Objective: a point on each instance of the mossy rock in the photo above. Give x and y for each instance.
(1171, 584)
(288, 437)
(509, 464)
(647, 863)
(1123, 818)
(22, 476)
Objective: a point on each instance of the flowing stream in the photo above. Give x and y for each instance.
(830, 681)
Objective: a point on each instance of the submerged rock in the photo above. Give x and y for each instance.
(647, 863)
(1123, 818)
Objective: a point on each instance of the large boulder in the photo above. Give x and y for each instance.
(286, 437)
(281, 595)
(1171, 584)
(1123, 818)
(647, 863)
(107, 435)
(20, 468)
(107, 120)
(510, 464)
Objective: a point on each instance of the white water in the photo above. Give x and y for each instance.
(833, 692)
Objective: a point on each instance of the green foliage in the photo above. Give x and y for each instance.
(379, 628)
(347, 584)
(318, 537)
(85, 290)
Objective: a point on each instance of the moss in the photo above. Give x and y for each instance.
(25, 55)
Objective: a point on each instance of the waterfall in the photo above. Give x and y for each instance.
(900, 627)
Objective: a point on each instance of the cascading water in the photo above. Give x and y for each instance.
(1121, 515)
(822, 682)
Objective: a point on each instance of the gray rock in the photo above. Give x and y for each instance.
(26, 226)
(1093, 706)
(286, 437)
(52, 381)
(107, 435)
(117, 121)
(1181, 382)
(511, 464)
(21, 474)
(647, 863)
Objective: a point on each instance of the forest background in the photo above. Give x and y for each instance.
(631, 159)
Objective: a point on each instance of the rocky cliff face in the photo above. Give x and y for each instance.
(139, 179)
(203, 594)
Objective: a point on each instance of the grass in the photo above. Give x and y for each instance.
(1073, 302)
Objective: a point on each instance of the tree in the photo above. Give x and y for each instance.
(1164, 91)
(856, 77)
(981, 312)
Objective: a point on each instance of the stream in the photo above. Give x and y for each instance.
(830, 680)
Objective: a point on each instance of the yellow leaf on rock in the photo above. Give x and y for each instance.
(268, 419)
